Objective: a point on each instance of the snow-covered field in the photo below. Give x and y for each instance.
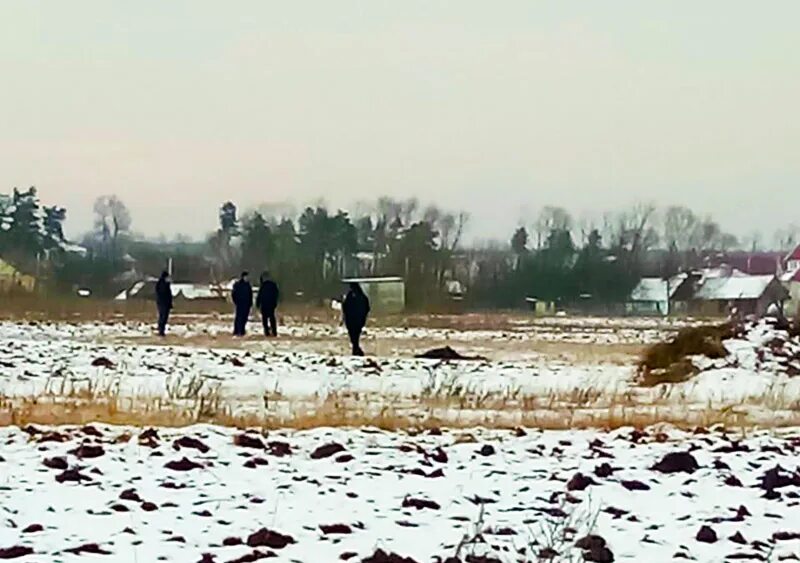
(580, 330)
(269, 379)
(207, 494)
(471, 495)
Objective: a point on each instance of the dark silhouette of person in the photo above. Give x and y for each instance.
(242, 296)
(267, 302)
(163, 301)
(355, 310)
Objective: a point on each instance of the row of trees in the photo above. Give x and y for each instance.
(597, 262)
(311, 252)
(553, 257)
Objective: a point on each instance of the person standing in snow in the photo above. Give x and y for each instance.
(355, 310)
(267, 302)
(163, 301)
(242, 296)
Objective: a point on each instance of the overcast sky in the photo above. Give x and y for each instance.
(496, 107)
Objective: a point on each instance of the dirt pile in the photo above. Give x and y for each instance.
(447, 354)
(761, 346)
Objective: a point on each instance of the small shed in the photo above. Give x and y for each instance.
(649, 297)
(541, 308)
(386, 294)
(655, 296)
(750, 295)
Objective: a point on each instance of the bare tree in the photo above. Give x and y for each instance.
(753, 242)
(680, 226)
(631, 233)
(551, 218)
(585, 226)
(451, 229)
(786, 239)
(112, 221)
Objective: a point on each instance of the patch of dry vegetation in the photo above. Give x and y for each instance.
(670, 361)
(574, 410)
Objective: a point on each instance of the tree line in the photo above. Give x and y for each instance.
(552, 257)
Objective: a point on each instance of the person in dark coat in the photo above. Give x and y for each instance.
(267, 302)
(163, 302)
(355, 310)
(242, 296)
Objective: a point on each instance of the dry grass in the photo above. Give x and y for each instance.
(442, 401)
(574, 410)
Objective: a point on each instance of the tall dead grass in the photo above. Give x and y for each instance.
(552, 413)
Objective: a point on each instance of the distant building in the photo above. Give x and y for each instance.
(793, 260)
(791, 281)
(541, 308)
(654, 296)
(749, 295)
(386, 294)
(750, 263)
(710, 292)
(12, 280)
(146, 290)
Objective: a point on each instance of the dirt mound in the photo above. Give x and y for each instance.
(446, 353)
(767, 346)
(670, 362)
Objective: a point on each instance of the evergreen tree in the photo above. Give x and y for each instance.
(228, 220)
(257, 244)
(54, 218)
(25, 235)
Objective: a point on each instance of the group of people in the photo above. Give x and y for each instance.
(355, 307)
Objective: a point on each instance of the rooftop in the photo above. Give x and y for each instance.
(734, 287)
(385, 279)
(794, 255)
(655, 289)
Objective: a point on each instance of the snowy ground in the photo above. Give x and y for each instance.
(268, 378)
(204, 494)
(580, 330)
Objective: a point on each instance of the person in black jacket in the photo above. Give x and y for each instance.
(242, 296)
(267, 302)
(355, 310)
(163, 302)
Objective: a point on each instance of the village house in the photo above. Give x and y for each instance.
(710, 293)
(791, 281)
(655, 296)
(146, 290)
(793, 260)
(748, 295)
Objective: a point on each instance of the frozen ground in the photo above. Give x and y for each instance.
(469, 330)
(205, 494)
(269, 379)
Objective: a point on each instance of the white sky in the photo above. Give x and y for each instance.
(495, 107)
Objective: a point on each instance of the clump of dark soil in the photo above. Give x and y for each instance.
(670, 361)
(447, 354)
